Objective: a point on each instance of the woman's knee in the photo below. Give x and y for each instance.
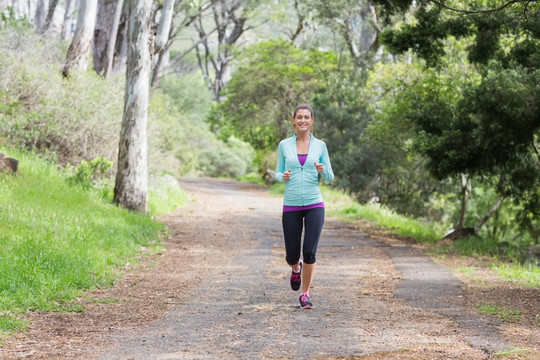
(292, 262)
(309, 258)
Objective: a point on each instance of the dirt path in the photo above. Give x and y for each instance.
(220, 291)
(243, 307)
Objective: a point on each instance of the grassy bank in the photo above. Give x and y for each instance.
(59, 239)
(340, 205)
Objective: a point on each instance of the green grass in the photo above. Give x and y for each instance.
(476, 246)
(165, 196)
(514, 353)
(58, 240)
(504, 313)
(341, 205)
(527, 275)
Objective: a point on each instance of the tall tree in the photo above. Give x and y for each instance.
(230, 17)
(112, 38)
(103, 32)
(79, 51)
(66, 23)
(41, 13)
(491, 132)
(131, 185)
(184, 15)
(49, 17)
(356, 22)
(273, 77)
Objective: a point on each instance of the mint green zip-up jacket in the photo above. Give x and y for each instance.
(303, 187)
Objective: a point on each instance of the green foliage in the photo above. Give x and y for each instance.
(8, 20)
(58, 240)
(508, 35)
(492, 125)
(476, 246)
(342, 205)
(87, 173)
(272, 78)
(479, 123)
(181, 139)
(489, 133)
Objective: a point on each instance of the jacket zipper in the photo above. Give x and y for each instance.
(302, 184)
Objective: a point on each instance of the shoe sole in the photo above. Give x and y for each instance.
(307, 307)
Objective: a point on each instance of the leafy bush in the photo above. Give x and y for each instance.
(71, 120)
(88, 173)
(180, 136)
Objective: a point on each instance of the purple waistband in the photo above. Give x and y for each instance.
(288, 208)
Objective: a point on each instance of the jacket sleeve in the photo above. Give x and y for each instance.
(280, 167)
(328, 173)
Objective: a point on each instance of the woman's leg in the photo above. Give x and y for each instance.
(314, 221)
(308, 271)
(292, 233)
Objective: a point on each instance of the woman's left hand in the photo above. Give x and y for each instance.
(319, 167)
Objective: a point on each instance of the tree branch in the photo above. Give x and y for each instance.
(463, 11)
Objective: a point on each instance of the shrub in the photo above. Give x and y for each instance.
(71, 120)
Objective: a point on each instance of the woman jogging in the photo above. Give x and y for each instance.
(301, 158)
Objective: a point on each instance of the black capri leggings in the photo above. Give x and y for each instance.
(293, 224)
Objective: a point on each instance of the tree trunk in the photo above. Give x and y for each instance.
(161, 63)
(41, 14)
(120, 47)
(164, 26)
(102, 34)
(112, 39)
(224, 12)
(49, 18)
(66, 24)
(491, 211)
(464, 200)
(79, 50)
(161, 43)
(131, 187)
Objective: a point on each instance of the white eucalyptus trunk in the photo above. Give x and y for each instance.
(66, 24)
(41, 14)
(79, 50)
(50, 15)
(102, 34)
(112, 39)
(164, 26)
(131, 187)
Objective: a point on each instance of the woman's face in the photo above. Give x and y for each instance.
(302, 121)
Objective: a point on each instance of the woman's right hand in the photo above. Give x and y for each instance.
(287, 175)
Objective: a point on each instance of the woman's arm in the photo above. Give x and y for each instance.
(280, 167)
(328, 173)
